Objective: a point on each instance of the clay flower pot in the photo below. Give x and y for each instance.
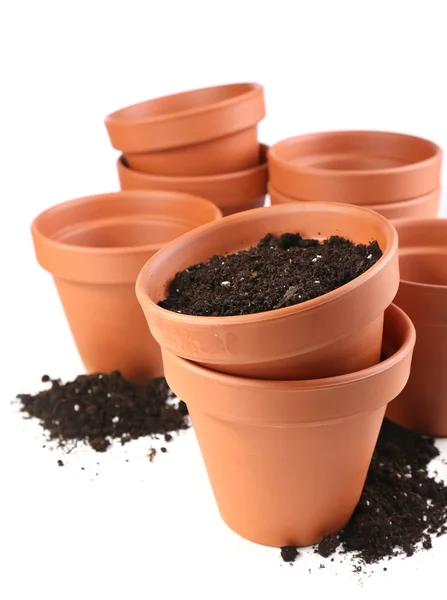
(287, 460)
(231, 192)
(423, 295)
(200, 132)
(417, 208)
(95, 247)
(337, 333)
(360, 167)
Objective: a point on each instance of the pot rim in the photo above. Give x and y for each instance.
(387, 205)
(68, 205)
(406, 346)
(200, 179)
(279, 313)
(415, 223)
(119, 117)
(274, 154)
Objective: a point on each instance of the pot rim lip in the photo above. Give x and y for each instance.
(199, 179)
(406, 346)
(405, 250)
(57, 245)
(273, 155)
(119, 117)
(387, 205)
(278, 313)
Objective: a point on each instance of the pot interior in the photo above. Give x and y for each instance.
(426, 268)
(355, 150)
(123, 234)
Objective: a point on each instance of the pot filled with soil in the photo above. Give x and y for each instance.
(298, 451)
(287, 292)
(422, 405)
(231, 192)
(199, 132)
(423, 207)
(95, 247)
(361, 167)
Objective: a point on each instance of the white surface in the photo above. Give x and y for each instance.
(140, 530)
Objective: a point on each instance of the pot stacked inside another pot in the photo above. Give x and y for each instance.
(394, 174)
(286, 387)
(203, 142)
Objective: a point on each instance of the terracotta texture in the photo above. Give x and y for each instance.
(417, 208)
(95, 247)
(231, 192)
(360, 167)
(199, 132)
(338, 333)
(423, 295)
(287, 460)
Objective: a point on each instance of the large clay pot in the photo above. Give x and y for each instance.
(417, 208)
(359, 167)
(339, 332)
(423, 295)
(231, 192)
(95, 247)
(287, 460)
(199, 132)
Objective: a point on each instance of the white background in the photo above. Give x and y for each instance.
(140, 530)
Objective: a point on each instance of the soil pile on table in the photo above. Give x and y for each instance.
(402, 506)
(278, 272)
(97, 409)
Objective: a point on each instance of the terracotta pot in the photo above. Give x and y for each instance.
(231, 192)
(95, 247)
(417, 208)
(360, 167)
(337, 333)
(200, 132)
(423, 295)
(287, 460)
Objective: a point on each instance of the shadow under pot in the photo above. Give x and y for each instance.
(338, 332)
(360, 167)
(199, 132)
(422, 406)
(287, 460)
(95, 248)
(231, 192)
(423, 207)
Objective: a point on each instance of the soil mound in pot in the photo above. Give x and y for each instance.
(277, 272)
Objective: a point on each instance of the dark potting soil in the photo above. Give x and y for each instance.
(401, 506)
(96, 409)
(277, 272)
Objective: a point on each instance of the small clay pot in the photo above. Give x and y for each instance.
(359, 167)
(339, 332)
(417, 208)
(231, 192)
(422, 405)
(200, 132)
(287, 460)
(95, 247)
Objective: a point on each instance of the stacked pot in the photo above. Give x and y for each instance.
(202, 142)
(286, 404)
(394, 174)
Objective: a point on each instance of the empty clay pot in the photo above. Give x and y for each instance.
(337, 333)
(231, 192)
(287, 460)
(95, 247)
(359, 167)
(423, 295)
(199, 132)
(417, 208)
